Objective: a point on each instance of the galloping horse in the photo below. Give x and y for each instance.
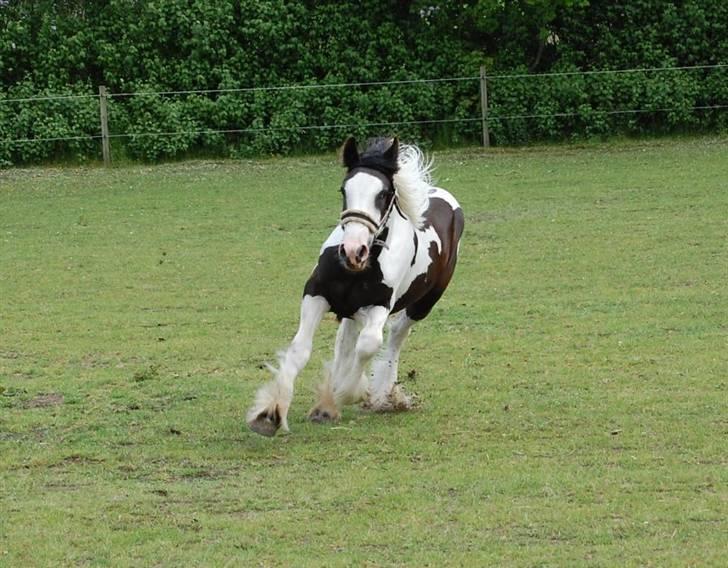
(393, 252)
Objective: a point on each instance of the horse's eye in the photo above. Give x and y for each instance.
(382, 194)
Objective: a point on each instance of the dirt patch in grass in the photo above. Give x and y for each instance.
(45, 400)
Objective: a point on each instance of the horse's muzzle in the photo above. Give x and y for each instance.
(356, 258)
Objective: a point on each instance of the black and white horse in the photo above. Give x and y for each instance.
(393, 252)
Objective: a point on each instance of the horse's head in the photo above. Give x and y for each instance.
(369, 196)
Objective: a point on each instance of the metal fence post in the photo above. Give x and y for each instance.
(104, 126)
(484, 106)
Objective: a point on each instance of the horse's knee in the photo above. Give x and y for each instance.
(293, 359)
(301, 354)
(368, 344)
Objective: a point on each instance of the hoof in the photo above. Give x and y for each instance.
(320, 416)
(266, 423)
(396, 401)
(400, 400)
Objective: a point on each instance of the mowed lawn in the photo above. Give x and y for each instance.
(572, 383)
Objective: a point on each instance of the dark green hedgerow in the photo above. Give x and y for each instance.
(72, 46)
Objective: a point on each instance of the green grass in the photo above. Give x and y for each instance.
(572, 380)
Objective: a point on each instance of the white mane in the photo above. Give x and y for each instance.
(412, 183)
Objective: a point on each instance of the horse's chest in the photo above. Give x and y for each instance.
(347, 292)
(347, 297)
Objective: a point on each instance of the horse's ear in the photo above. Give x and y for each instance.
(349, 153)
(392, 153)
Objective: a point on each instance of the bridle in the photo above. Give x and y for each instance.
(376, 229)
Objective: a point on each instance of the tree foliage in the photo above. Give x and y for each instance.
(133, 46)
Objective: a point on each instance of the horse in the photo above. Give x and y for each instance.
(389, 259)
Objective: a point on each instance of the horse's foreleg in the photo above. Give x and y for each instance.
(351, 386)
(326, 408)
(383, 394)
(270, 409)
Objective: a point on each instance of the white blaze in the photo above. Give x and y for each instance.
(361, 192)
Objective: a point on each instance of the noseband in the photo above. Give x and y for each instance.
(359, 216)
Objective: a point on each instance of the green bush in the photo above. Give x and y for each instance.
(72, 46)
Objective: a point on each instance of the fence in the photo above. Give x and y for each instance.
(484, 83)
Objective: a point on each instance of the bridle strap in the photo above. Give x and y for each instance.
(351, 215)
(362, 217)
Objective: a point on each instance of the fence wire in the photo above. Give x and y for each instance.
(603, 72)
(295, 87)
(490, 116)
(368, 83)
(47, 98)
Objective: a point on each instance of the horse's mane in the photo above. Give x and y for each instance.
(412, 183)
(410, 175)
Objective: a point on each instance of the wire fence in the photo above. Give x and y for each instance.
(48, 98)
(361, 125)
(486, 116)
(605, 71)
(371, 83)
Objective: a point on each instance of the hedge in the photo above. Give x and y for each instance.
(131, 46)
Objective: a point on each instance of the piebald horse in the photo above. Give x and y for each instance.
(393, 252)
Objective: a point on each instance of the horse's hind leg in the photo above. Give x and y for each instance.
(270, 409)
(384, 395)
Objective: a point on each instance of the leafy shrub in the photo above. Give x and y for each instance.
(72, 46)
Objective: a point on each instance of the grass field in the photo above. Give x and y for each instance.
(572, 382)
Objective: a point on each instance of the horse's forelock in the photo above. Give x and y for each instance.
(376, 156)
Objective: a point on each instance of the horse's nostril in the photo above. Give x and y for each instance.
(361, 253)
(342, 252)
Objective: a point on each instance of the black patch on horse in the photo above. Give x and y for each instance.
(348, 291)
(381, 154)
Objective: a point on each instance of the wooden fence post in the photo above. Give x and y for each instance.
(484, 106)
(104, 126)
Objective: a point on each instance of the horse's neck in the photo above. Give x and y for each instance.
(400, 228)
